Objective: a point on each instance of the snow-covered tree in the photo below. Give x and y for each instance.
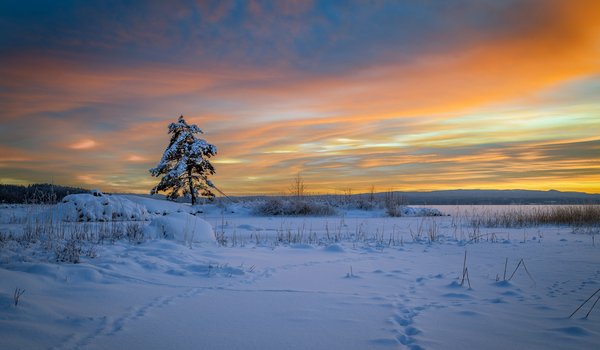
(184, 166)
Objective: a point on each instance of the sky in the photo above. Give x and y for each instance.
(351, 95)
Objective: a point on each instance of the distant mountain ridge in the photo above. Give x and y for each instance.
(463, 197)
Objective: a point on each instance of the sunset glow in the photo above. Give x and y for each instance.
(396, 95)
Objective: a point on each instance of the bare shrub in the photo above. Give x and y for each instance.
(297, 186)
(362, 204)
(393, 204)
(311, 208)
(134, 232)
(392, 210)
(294, 207)
(111, 231)
(69, 252)
(270, 207)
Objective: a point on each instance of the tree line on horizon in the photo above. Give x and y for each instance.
(36, 193)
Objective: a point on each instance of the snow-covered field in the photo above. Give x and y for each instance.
(357, 280)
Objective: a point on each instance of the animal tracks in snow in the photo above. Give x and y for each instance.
(110, 326)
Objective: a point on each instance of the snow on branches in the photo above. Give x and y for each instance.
(184, 166)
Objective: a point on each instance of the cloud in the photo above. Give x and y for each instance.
(136, 159)
(409, 95)
(83, 144)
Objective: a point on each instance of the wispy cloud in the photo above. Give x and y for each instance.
(83, 144)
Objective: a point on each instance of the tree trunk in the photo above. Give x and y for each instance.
(191, 184)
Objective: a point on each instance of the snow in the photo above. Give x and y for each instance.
(157, 207)
(355, 281)
(182, 227)
(99, 207)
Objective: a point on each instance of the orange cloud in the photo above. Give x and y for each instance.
(83, 144)
(136, 158)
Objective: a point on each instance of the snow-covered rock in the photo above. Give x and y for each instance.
(181, 227)
(99, 207)
(414, 211)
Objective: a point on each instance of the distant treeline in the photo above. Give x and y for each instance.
(38, 193)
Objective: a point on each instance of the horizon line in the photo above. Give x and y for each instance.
(340, 192)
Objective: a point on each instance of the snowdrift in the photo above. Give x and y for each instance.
(181, 227)
(100, 207)
(158, 206)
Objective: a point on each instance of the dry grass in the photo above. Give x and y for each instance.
(586, 301)
(17, 295)
(569, 215)
(69, 241)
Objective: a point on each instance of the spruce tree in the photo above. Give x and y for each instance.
(184, 166)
